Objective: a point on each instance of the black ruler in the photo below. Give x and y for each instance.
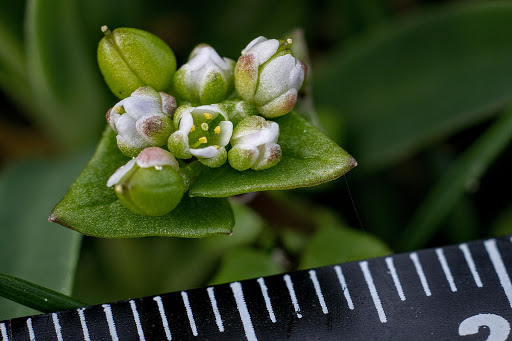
(461, 292)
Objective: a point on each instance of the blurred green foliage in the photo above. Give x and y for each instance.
(417, 91)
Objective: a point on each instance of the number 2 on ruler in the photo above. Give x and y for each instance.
(498, 326)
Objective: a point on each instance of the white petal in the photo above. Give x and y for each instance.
(226, 128)
(274, 79)
(186, 123)
(120, 172)
(207, 152)
(259, 138)
(138, 106)
(264, 50)
(126, 127)
(296, 76)
(253, 42)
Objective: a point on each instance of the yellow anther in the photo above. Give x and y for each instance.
(203, 139)
(208, 116)
(204, 126)
(193, 128)
(289, 41)
(217, 130)
(216, 146)
(118, 109)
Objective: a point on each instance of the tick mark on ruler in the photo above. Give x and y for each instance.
(421, 274)
(344, 287)
(268, 304)
(446, 269)
(190, 316)
(3, 332)
(471, 264)
(85, 330)
(499, 267)
(161, 309)
(293, 297)
(373, 290)
(216, 311)
(318, 290)
(137, 320)
(56, 325)
(111, 324)
(396, 280)
(30, 330)
(236, 287)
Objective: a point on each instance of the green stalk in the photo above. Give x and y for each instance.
(35, 296)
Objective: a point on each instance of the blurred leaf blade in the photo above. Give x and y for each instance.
(92, 208)
(452, 185)
(62, 72)
(420, 79)
(36, 250)
(35, 296)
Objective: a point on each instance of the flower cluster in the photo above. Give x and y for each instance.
(215, 111)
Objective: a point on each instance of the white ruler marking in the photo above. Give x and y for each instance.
(236, 287)
(57, 327)
(3, 331)
(216, 312)
(85, 330)
(373, 290)
(161, 309)
(318, 290)
(471, 264)
(268, 304)
(30, 330)
(344, 287)
(446, 268)
(396, 280)
(111, 324)
(293, 297)
(137, 320)
(421, 274)
(499, 267)
(190, 316)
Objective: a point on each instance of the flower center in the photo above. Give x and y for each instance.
(206, 130)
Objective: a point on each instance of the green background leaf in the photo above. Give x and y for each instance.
(309, 158)
(418, 80)
(91, 208)
(30, 247)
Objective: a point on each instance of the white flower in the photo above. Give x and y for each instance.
(202, 132)
(206, 78)
(142, 120)
(254, 144)
(268, 75)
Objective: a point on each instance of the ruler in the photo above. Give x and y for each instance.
(460, 292)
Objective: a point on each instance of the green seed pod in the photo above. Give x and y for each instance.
(130, 58)
(149, 184)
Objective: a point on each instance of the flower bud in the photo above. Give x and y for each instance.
(202, 132)
(268, 75)
(142, 120)
(206, 78)
(254, 144)
(238, 109)
(130, 58)
(150, 183)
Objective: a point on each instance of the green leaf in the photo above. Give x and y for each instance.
(420, 79)
(35, 296)
(91, 208)
(309, 158)
(466, 171)
(65, 81)
(334, 243)
(30, 247)
(245, 263)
